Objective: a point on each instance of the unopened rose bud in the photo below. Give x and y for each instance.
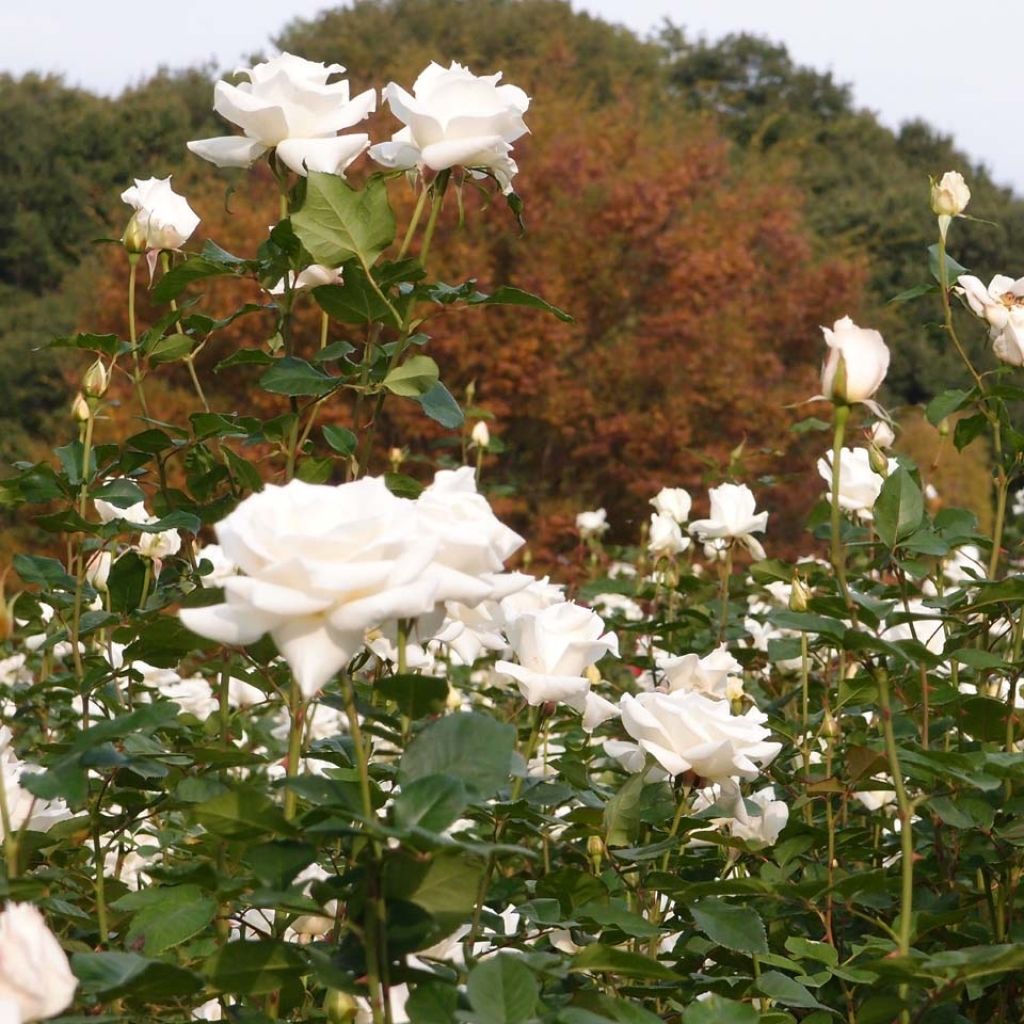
(396, 457)
(830, 726)
(950, 195)
(97, 571)
(470, 392)
(877, 460)
(882, 434)
(944, 427)
(340, 1007)
(134, 237)
(80, 408)
(799, 595)
(96, 380)
(481, 436)
(595, 851)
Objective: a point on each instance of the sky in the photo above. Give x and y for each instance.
(904, 58)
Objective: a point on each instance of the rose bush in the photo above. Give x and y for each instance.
(352, 761)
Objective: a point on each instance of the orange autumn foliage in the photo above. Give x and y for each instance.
(696, 294)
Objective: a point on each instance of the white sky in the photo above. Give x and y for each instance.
(905, 58)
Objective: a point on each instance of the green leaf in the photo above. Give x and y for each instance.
(415, 377)
(472, 747)
(245, 357)
(622, 812)
(106, 344)
(430, 803)
(968, 429)
(253, 967)
(597, 957)
(953, 269)
(113, 975)
(432, 1002)
(502, 990)
(338, 222)
(899, 509)
(445, 886)
(945, 405)
(170, 348)
(786, 990)
(441, 407)
(182, 913)
(341, 439)
(737, 928)
(294, 377)
(415, 696)
(356, 300)
(806, 949)
(506, 295)
(239, 813)
(195, 268)
(719, 1010)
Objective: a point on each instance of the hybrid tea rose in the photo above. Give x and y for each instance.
(35, 977)
(1001, 305)
(856, 363)
(733, 518)
(454, 118)
(289, 106)
(163, 219)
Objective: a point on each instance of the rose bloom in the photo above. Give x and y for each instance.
(472, 543)
(686, 731)
(714, 675)
(312, 277)
(288, 106)
(455, 119)
(665, 539)
(859, 484)
(882, 434)
(1001, 305)
(592, 523)
(673, 501)
(35, 977)
(856, 363)
(554, 648)
(950, 195)
(163, 219)
(320, 566)
(733, 517)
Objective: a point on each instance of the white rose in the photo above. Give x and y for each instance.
(665, 538)
(950, 194)
(288, 106)
(455, 119)
(710, 675)
(859, 484)
(163, 219)
(108, 512)
(320, 565)
(923, 627)
(554, 647)
(35, 974)
(97, 570)
(733, 517)
(592, 523)
(193, 695)
(534, 597)
(472, 543)
(617, 604)
(673, 501)
(764, 827)
(856, 363)
(313, 276)
(159, 546)
(481, 434)
(882, 434)
(685, 731)
(1001, 305)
